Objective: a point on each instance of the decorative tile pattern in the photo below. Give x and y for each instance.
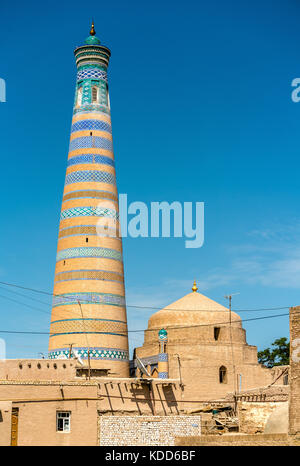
(90, 176)
(99, 326)
(98, 194)
(89, 298)
(95, 353)
(88, 142)
(104, 253)
(88, 73)
(163, 357)
(91, 158)
(163, 375)
(89, 212)
(91, 65)
(89, 275)
(92, 108)
(86, 93)
(90, 125)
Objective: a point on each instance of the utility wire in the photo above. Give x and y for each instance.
(25, 296)
(85, 301)
(73, 311)
(153, 330)
(24, 304)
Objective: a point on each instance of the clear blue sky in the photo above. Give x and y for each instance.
(201, 111)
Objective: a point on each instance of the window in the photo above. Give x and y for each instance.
(107, 97)
(223, 374)
(94, 94)
(63, 421)
(79, 97)
(216, 333)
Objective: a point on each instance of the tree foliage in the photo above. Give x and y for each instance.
(278, 355)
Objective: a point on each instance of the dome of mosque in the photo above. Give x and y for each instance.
(193, 309)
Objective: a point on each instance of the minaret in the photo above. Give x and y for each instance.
(163, 361)
(89, 313)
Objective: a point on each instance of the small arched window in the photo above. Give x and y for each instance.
(107, 96)
(79, 97)
(223, 374)
(94, 94)
(216, 333)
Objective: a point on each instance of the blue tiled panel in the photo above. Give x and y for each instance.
(91, 73)
(163, 357)
(91, 158)
(89, 298)
(88, 142)
(104, 253)
(87, 176)
(163, 375)
(95, 353)
(91, 125)
(89, 211)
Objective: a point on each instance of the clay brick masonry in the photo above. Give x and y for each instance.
(146, 430)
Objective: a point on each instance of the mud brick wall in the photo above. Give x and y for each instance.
(146, 430)
(294, 398)
(235, 440)
(253, 416)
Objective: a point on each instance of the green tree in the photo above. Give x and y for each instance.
(278, 355)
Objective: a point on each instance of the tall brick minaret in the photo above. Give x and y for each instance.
(89, 313)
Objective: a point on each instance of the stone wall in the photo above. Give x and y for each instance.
(294, 398)
(146, 430)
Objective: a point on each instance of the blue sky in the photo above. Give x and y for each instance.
(201, 111)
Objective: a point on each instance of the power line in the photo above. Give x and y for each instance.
(133, 331)
(25, 296)
(78, 302)
(24, 304)
(155, 329)
(85, 301)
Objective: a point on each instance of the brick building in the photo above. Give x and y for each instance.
(207, 348)
(195, 350)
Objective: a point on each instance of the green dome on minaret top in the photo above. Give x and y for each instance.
(162, 334)
(92, 39)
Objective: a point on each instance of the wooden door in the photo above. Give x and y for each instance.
(14, 426)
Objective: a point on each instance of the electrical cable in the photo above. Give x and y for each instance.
(84, 301)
